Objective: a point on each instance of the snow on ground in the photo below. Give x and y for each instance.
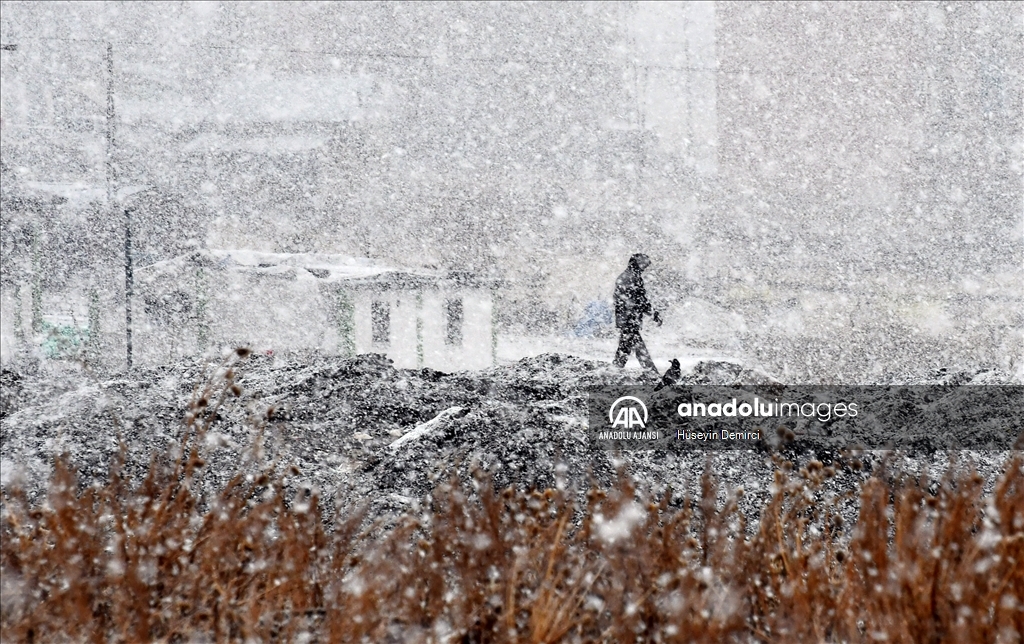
(663, 345)
(358, 430)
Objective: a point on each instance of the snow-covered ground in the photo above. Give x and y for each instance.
(360, 430)
(663, 347)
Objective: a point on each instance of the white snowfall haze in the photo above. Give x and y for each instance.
(827, 191)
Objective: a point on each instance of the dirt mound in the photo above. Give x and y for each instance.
(716, 372)
(357, 428)
(10, 392)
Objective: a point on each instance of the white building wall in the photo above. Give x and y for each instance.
(267, 312)
(361, 302)
(475, 352)
(279, 313)
(436, 354)
(402, 341)
(403, 329)
(476, 331)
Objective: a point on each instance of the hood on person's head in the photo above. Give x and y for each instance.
(639, 262)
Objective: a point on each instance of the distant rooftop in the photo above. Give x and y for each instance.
(300, 266)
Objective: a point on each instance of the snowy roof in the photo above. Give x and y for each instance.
(300, 266)
(79, 194)
(76, 195)
(261, 99)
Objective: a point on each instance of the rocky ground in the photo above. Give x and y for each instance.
(358, 430)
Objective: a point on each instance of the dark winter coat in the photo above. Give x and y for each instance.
(631, 303)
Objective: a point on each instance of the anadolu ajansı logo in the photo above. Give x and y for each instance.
(628, 415)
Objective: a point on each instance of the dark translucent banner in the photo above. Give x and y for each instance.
(978, 417)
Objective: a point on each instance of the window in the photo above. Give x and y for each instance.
(380, 320)
(453, 316)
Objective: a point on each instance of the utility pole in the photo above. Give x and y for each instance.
(33, 261)
(112, 207)
(110, 129)
(128, 281)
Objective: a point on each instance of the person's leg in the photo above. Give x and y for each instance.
(644, 356)
(625, 348)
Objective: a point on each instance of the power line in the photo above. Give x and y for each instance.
(352, 54)
(494, 60)
(285, 50)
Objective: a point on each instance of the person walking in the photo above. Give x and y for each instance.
(631, 305)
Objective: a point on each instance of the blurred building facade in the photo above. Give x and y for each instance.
(297, 303)
(844, 177)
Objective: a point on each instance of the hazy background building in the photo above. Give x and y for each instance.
(833, 190)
